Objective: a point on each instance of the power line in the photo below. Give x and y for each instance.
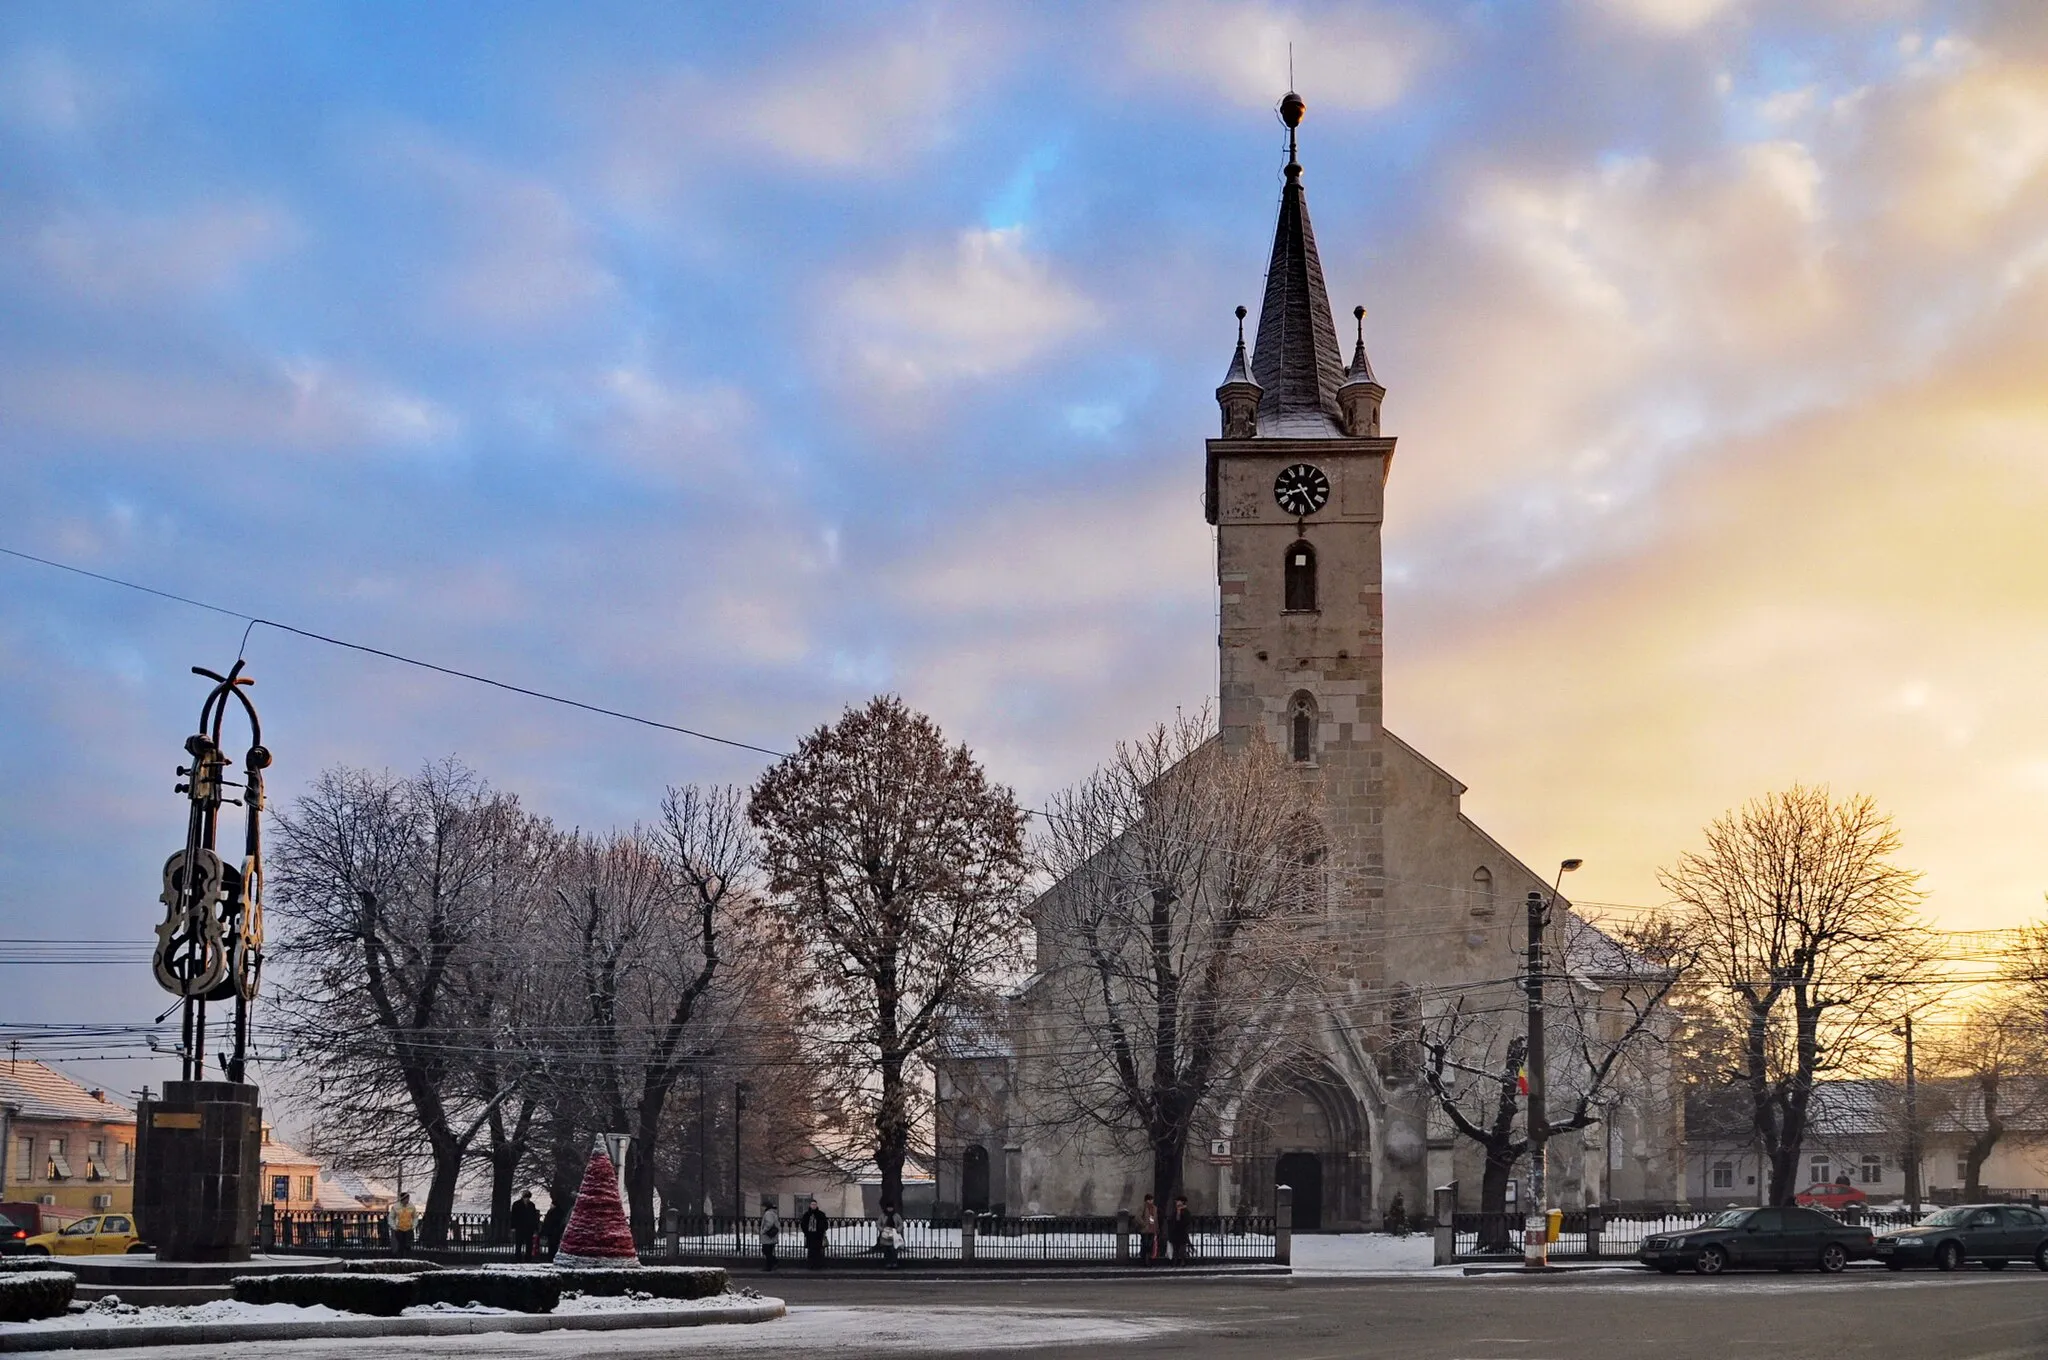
(254, 621)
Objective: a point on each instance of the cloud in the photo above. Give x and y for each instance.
(190, 253)
(978, 306)
(1348, 57)
(45, 89)
(301, 403)
(1675, 17)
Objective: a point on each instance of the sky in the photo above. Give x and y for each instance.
(726, 365)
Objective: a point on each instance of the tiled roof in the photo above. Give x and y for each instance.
(34, 1090)
(284, 1154)
(1297, 360)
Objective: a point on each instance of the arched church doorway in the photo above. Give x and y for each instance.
(1303, 1128)
(1303, 1172)
(974, 1179)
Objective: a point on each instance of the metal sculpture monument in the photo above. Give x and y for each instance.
(199, 1147)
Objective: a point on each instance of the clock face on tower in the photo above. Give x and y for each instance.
(1302, 490)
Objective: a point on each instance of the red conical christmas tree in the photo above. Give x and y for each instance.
(598, 1233)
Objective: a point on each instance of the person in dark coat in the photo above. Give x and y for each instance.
(891, 1235)
(1178, 1228)
(1148, 1230)
(551, 1227)
(525, 1223)
(814, 1223)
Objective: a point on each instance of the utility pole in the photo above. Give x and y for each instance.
(1536, 1223)
(739, 1210)
(703, 1154)
(1912, 1127)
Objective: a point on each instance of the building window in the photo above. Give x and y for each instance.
(1300, 575)
(1962, 1172)
(1872, 1168)
(306, 1188)
(1482, 891)
(60, 1165)
(24, 1164)
(1724, 1175)
(127, 1160)
(281, 1187)
(1301, 724)
(1306, 884)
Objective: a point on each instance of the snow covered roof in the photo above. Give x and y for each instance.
(35, 1090)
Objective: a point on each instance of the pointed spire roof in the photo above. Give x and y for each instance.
(1361, 367)
(1299, 360)
(1240, 370)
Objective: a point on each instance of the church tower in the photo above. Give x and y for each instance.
(1294, 489)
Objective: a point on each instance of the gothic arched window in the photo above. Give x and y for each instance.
(1301, 727)
(1482, 891)
(1300, 574)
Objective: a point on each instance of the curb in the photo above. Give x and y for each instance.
(452, 1324)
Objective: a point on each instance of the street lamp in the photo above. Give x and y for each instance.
(739, 1210)
(1536, 1225)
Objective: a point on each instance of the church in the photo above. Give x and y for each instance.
(1422, 900)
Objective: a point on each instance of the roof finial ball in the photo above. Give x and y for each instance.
(1241, 314)
(1292, 106)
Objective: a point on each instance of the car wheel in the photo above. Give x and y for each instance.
(139, 1249)
(1948, 1256)
(1833, 1257)
(1994, 1265)
(1713, 1260)
(1673, 1269)
(2041, 1256)
(39, 1251)
(1901, 1265)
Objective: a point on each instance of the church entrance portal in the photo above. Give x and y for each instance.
(974, 1179)
(1304, 1172)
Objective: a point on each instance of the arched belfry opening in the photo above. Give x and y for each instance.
(1299, 572)
(1301, 727)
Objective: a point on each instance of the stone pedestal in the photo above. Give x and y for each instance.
(199, 1161)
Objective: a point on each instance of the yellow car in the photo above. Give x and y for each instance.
(99, 1235)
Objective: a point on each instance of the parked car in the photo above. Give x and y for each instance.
(98, 1235)
(1830, 1195)
(1786, 1237)
(1992, 1233)
(19, 1221)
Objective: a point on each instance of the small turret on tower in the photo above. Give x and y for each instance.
(1361, 394)
(1239, 395)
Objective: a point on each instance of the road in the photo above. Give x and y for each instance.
(1605, 1316)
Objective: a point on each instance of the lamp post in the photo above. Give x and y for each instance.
(1912, 1124)
(1536, 1225)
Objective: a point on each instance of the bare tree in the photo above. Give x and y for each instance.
(1994, 1057)
(895, 867)
(1606, 1012)
(386, 890)
(1807, 931)
(1178, 939)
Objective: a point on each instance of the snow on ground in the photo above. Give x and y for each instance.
(1363, 1254)
(111, 1312)
(807, 1331)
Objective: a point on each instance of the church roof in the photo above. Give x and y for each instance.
(1298, 360)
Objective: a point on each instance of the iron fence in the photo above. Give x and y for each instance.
(980, 1239)
(1595, 1235)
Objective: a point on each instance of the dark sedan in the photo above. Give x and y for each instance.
(1992, 1233)
(1785, 1237)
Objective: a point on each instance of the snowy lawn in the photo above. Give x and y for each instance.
(1363, 1254)
(111, 1312)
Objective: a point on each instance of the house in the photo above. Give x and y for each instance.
(290, 1179)
(1857, 1133)
(63, 1143)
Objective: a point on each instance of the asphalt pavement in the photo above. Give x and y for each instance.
(1607, 1315)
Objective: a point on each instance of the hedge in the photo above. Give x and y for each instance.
(521, 1291)
(662, 1282)
(389, 1265)
(376, 1295)
(28, 1295)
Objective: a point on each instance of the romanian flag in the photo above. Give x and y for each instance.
(1522, 1079)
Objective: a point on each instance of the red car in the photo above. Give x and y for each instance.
(1832, 1197)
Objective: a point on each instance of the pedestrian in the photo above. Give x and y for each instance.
(1148, 1229)
(551, 1227)
(1395, 1220)
(525, 1221)
(402, 1218)
(771, 1229)
(1177, 1229)
(814, 1224)
(891, 1236)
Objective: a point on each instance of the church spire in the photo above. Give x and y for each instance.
(1298, 362)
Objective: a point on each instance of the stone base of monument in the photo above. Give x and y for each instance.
(143, 1280)
(199, 1161)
